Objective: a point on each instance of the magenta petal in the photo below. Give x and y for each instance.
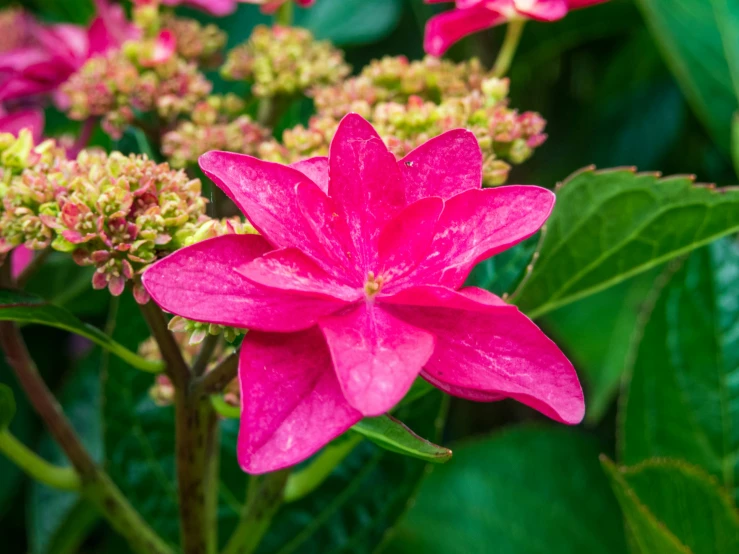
(291, 270)
(445, 29)
(292, 404)
(375, 355)
(316, 169)
(492, 351)
(544, 10)
(264, 191)
(478, 224)
(405, 241)
(443, 166)
(31, 119)
(329, 235)
(200, 282)
(365, 183)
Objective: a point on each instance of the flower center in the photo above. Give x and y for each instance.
(373, 284)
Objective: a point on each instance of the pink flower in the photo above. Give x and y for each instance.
(214, 7)
(353, 289)
(58, 51)
(32, 119)
(471, 16)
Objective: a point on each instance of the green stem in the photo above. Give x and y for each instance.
(509, 47)
(63, 478)
(210, 343)
(303, 482)
(284, 15)
(216, 380)
(263, 500)
(177, 369)
(223, 408)
(96, 486)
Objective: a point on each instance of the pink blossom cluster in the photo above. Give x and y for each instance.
(411, 102)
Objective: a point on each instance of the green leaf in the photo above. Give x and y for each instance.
(352, 22)
(602, 353)
(362, 498)
(528, 490)
(699, 41)
(672, 507)
(28, 308)
(683, 397)
(7, 406)
(60, 521)
(609, 225)
(502, 273)
(395, 436)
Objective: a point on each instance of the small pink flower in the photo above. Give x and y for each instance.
(471, 16)
(353, 289)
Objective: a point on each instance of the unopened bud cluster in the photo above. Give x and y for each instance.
(27, 190)
(284, 61)
(215, 125)
(195, 41)
(411, 102)
(123, 84)
(117, 213)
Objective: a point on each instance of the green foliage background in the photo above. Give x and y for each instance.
(629, 279)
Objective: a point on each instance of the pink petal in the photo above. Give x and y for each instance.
(291, 270)
(542, 10)
(445, 29)
(264, 191)
(365, 183)
(200, 282)
(31, 119)
(19, 260)
(316, 169)
(443, 166)
(376, 356)
(213, 7)
(328, 235)
(492, 351)
(478, 224)
(292, 404)
(405, 241)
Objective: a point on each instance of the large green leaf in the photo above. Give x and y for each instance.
(28, 308)
(602, 353)
(363, 497)
(700, 42)
(609, 225)
(671, 507)
(526, 490)
(59, 521)
(352, 22)
(683, 398)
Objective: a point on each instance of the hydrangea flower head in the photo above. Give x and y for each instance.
(471, 16)
(353, 289)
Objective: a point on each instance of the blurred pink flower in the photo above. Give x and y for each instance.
(471, 16)
(31, 118)
(214, 7)
(57, 51)
(20, 258)
(351, 291)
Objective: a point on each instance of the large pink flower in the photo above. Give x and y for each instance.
(57, 51)
(471, 16)
(353, 289)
